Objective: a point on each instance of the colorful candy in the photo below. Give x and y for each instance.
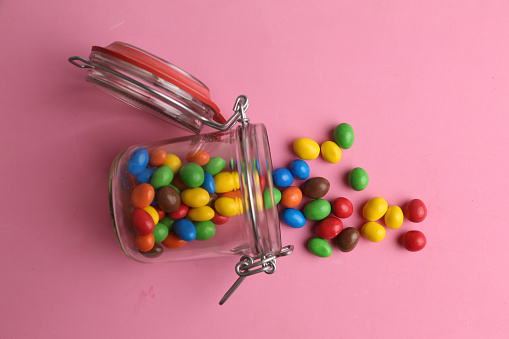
(173, 241)
(315, 188)
(204, 230)
(155, 252)
(160, 232)
(142, 195)
(185, 229)
(267, 197)
(138, 161)
(343, 135)
(166, 220)
(203, 213)
(180, 212)
(192, 175)
(144, 242)
(173, 162)
(153, 213)
(293, 217)
(300, 169)
(162, 177)
(348, 239)
(373, 231)
(415, 210)
(168, 199)
(142, 222)
(145, 175)
(291, 197)
(394, 217)
(331, 152)
(374, 209)
(219, 219)
(282, 177)
(306, 149)
(320, 247)
(329, 228)
(208, 183)
(199, 157)
(358, 179)
(342, 207)
(215, 165)
(226, 206)
(317, 209)
(226, 182)
(195, 197)
(157, 157)
(414, 241)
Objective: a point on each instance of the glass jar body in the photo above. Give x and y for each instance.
(254, 230)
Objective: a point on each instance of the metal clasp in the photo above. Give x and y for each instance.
(247, 266)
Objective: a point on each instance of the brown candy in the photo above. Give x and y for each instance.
(213, 198)
(315, 188)
(156, 251)
(348, 239)
(168, 199)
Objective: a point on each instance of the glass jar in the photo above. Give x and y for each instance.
(162, 89)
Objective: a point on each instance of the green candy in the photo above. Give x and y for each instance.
(343, 135)
(320, 247)
(162, 177)
(317, 209)
(204, 230)
(160, 232)
(192, 175)
(166, 220)
(358, 179)
(215, 165)
(267, 201)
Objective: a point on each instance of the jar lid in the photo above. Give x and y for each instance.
(151, 84)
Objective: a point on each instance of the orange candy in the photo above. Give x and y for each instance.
(291, 197)
(199, 157)
(145, 242)
(232, 194)
(142, 196)
(173, 241)
(156, 157)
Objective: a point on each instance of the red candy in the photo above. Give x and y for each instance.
(219, 219)
(180, 213)
(329, 228)
(415, 210)
(160, 212)
(414, 241)
(342, 207)
(142, 222)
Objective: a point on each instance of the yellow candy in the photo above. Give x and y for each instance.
(306, 149)
(240, 209)
(331, 152)
(394, 217)
(174, 162)
(374, 209)
(195, 197)
(226, 206)
(373, 231)
(226, 182)
(203, 213)
(153, 213)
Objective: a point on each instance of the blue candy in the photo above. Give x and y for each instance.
(145, 175)
(208, 183)
(185, 229)
(293, 218)
(300, 169)
(282, 177)
(138, 161)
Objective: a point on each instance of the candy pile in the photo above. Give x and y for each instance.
(175, 203)
(318, 209)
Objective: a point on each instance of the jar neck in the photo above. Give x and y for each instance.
(255, 172)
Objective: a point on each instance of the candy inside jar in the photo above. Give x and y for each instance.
(187, 198)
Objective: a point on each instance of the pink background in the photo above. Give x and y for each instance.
(425, 86)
